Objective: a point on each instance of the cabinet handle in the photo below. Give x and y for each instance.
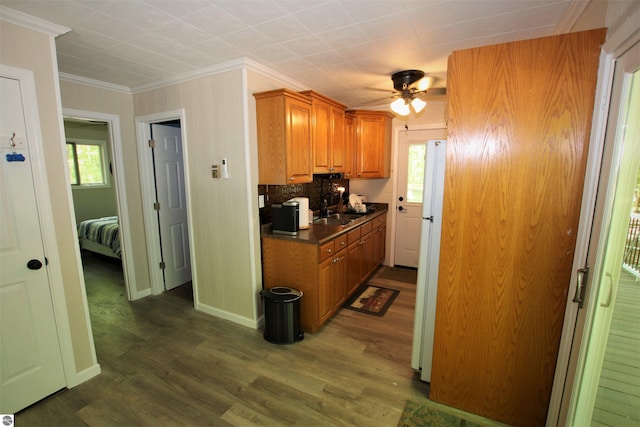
(290, 178)
(329, 251)
(343, 243)
(335, 260)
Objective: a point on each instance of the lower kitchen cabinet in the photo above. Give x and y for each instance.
(326, 273)
(379, 238)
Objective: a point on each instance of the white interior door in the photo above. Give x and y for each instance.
(410, 181)
(170, 186)
(30, 357)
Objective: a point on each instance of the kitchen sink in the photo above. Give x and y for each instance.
(338, 219)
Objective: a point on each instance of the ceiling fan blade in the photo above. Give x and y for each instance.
(378, 100)
(436, 91)
(381, 90)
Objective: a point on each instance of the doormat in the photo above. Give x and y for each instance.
(370, 299)
(422, 415)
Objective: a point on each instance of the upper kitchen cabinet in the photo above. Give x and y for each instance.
(372, 143)
(327, 133)
(350, 147)
(284, 135)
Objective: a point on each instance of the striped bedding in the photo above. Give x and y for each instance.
(104, 231)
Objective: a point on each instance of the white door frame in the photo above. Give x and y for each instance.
(117, 158)
(143, 135)
(45, 214)
(618, 42)
(394, 192)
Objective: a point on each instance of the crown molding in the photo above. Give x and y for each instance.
(575, 10)
(236, 64)
(72, 78)
(19, 18)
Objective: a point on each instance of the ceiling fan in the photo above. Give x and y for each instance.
(410, 87)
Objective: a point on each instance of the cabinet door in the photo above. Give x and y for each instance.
(338, 144)
(373, 145)
(298, 137)
(379, 236)
(340, 278)
(366, 256)
(325, 291)
(349, 146)
(321, 137)
(353, 267)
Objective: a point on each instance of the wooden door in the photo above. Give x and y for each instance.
(519, 121)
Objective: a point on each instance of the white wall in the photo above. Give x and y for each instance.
(32, 50)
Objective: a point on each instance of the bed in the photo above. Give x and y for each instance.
(101, 235)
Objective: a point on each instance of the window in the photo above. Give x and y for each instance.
(415, 173)
(87, 163)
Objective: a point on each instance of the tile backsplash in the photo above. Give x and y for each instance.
(321, 185)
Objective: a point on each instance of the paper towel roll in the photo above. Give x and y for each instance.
(303, 203)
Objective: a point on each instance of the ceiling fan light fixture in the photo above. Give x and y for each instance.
(418, 104)
(400, 107)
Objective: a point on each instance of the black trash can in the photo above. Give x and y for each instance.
(282, 315)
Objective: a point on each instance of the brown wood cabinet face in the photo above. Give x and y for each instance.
(338, 149)
(379, 237)
(519, 120)
(321, 137)
(327, 138)
(284, 137)
(326, 273)
(349, 144)
(325, 289)
(340, 290)
(373, 144)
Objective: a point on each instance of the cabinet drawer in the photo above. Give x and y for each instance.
(326, 250)
(366, 228)
(380, 221)
(340, 243)
(353, 236)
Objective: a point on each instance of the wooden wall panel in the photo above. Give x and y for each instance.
(519, 122)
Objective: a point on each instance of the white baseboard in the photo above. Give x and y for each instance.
(244, 321)
(87, 374)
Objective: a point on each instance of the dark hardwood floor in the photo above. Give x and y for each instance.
(165, 364)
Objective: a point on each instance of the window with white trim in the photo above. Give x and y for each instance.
(88, 163)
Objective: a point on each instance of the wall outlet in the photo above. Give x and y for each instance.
(261, 200)
(215, 171)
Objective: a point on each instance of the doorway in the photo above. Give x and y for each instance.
(89, 121)
(162, 158)
(409, 192)
(608, 373)
(171, 208)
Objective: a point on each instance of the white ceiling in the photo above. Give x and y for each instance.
(336, 47)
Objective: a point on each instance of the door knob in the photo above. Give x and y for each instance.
(34, 264)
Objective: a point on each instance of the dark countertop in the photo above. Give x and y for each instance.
(321, 233)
